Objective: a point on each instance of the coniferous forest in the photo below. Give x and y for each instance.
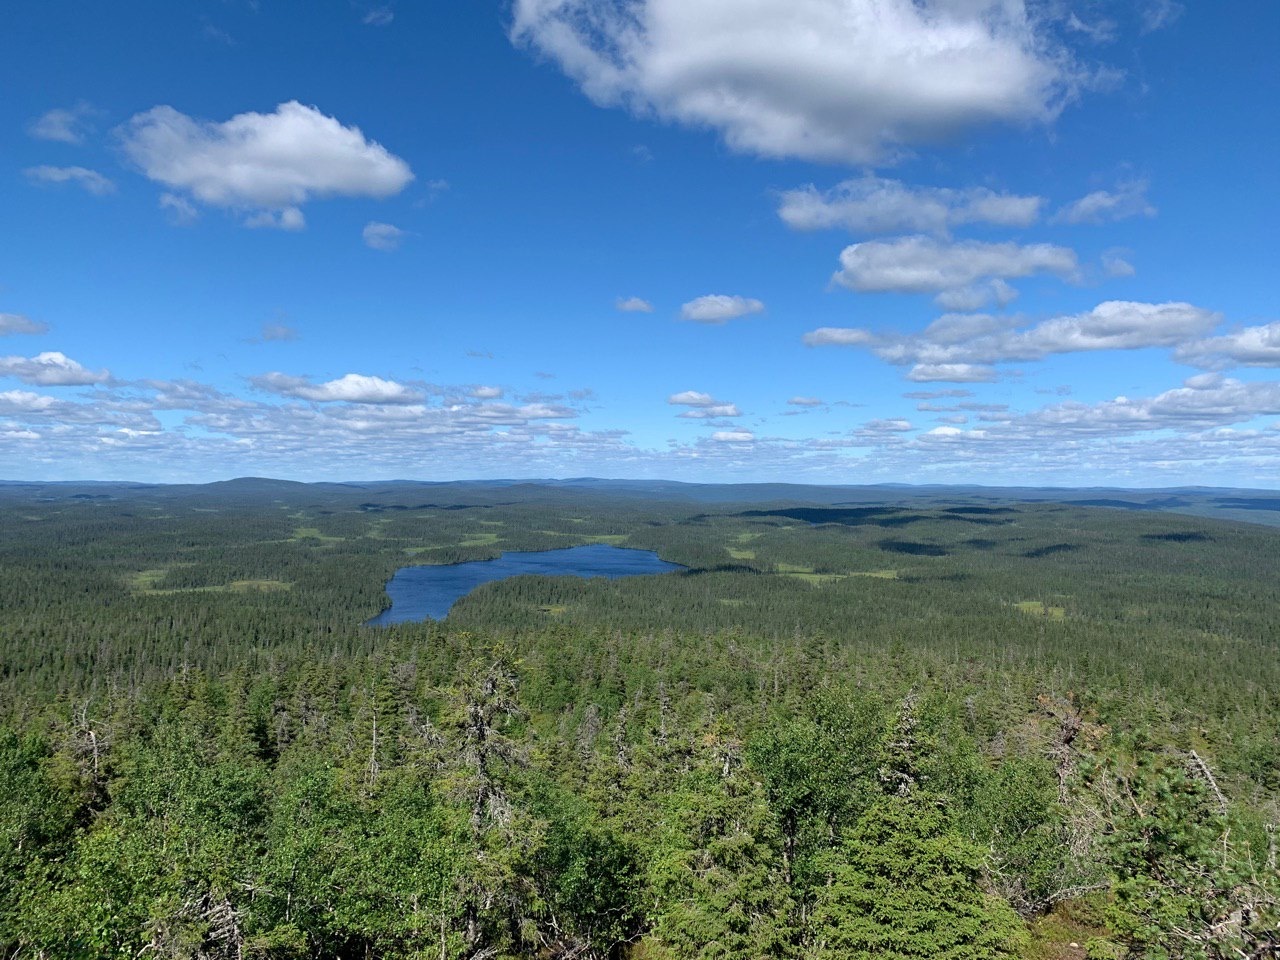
(915, 725)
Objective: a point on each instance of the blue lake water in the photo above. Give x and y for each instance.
(427, 592)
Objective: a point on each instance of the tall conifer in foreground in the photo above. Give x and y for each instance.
(902, 885)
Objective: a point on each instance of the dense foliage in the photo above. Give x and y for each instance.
(937, 728)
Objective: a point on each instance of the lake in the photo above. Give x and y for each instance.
(428, 592)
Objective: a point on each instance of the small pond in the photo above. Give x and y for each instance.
(428, 592)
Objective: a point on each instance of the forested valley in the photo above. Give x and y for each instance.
(939, 725)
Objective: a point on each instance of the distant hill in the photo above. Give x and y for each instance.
(1250, 506)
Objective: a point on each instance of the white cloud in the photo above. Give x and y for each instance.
(895, 425)
(116, 430)
(968, 269)
(805, 402)
(1247, 347)
(12, 323)
(383, 236)
(277, 333)
(1099, 31)
(717, 308)
(90, 180)
(189, 395)
(263, 165)
(840, 337)
(716, 411)
(1198, 429)
(937, 394)
(962, 347)
(1115, 263)
(51, 369)
(874, 205)
(179, 211)
(952, 373)
(1104, 206)
(1158, 14)
(378, 17)
(691, 398)
(1115, 325)
(977, 296)
(486, 393)
(352, 388)
(1201, 432)
(17, 402)
(1201, 403)
(842, 80)
(633, 305)
(703, 406)
(434, 190)
(290, 218)
(65, 125)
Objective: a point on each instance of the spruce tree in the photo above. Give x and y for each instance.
(902, 885)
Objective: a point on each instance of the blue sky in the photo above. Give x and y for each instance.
(848, 241)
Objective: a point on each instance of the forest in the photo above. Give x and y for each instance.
(922, 723)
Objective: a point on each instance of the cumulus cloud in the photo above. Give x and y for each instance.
(965, 274)
(382, 236)
(874, 205)
(894, 425)
(703, 406)
(51, 369)
(17, 402)
(486, 393)
(1202, 402)
(1202, 431)
(963, 347)
(717, 308)
(117, 431)
(952, 373)
(937, 394)
(840, 337)
(1196, 426)
(1247, 347)
(1115, 263)
(715, 412)
(977, 296)
(633, 305)
(263, 165)
(1103, 206)
(833, 80)
(89, 180)
(189, 395)
(290, 218)
(691, 398)
(64, 125)
(805, 402)
(14, 323)
(1115, 325)
(352, 388)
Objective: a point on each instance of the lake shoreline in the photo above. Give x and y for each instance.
(429, 591)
